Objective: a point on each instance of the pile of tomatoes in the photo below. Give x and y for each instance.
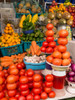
(49, 45)
(16, 83)
(61, 56)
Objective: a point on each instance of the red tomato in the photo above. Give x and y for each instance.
(52, 44)
(62, 41)
(49, 33)
(57, 54)
(1, 73)
(36, 90)
(22, 72)
(49, 78)
(49, 84)
(66, 55)
(17, 95)
(49, 59)
(23, 80)
(12, 93)
(23, 87)
(25, 93)
(62, 48)
(52, 94)
(49, 26)
(37, 77)
(45, 44)
(65, 62)
(36, 84)
(47, 89)
(17, 77)
(12, 66)
(43, 95)
(49, 39)
(13, 98)
(21, 98)
(37, 97)
(63, 33)
(11, 79)
(43, 49)
(1, 68)
(49, 50)
(29, 97)
(1, 88)
(23, 65)
(30, 72)
(19, 66)
(57, 62)
(14, 71)
(6, 75)
(55, 48)
(11, 86)
(30, 79)
(30, 85)
(5, 71)
(4, 99)
(1, 95)
(1, 80)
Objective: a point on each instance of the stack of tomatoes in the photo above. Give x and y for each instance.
(49, 45)
(61, 56)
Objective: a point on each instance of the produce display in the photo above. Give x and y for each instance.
(49, 45)
(60, 56)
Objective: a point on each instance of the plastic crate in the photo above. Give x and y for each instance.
(35, 66)
(12, 50)
(27, 44)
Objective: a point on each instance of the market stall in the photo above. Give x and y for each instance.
(37, 50)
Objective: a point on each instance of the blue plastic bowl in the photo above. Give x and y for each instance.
(35, 66)
(28, 32)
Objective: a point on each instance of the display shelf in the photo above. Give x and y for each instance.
(66, 96)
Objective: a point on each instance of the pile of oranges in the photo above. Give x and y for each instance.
(61, 57)
(8, 29)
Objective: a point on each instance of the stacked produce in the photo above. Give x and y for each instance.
(53, 4)
(49, 45)
(61, 56)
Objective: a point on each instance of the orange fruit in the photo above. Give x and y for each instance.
(57, 54)
(66, 55)
(62, 48)
(8, 25)
(65, 62)
(57, 62)
(49, 59)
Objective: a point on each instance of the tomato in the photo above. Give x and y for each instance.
(14, 71)
(6, 75)
(49, 78)
(43, 49)
(25, 93)
(47, 89)
(4, 99)
(52, 94)
(49, 50)
(52, 44)
(22, 72)
(49, 39)
(62, 41)
(1, 88)
(49, 26)
(43, 95)
(30, 72)
(11, 86)
(49, 84)
(30, 85)
(37, 77)
(19, 66)
(62, 48)
(55, 48)
(49, 33)
(29, 97)
(30, 79)
(1, 94)
(17, 95)
(13, 98)
(57, 54)
(36, 90)
(57, 62)
(12, 93)
(23, 87)
(23, 80)
(22, 64)
(1, 80)
(12, 66)
(63, 33)
(1, 73)
(45, 44)
(11, 79)
(66, 55)
(5, 71)
(65, 62)
(1, 68)
(49, 59)
(37, 97)
(36, 84)
(21, 98)
(17, 77)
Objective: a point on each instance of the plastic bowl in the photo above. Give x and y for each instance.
(28, 32)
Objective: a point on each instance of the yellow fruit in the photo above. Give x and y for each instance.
(6, 31)
(8, 25)
(6, 28)
(6, 45)
(10, 28)
(3, 40)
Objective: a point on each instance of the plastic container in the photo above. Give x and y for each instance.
(28, 32)
(48, 66)
(27, 44)
(35, 66)
(12, 50)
